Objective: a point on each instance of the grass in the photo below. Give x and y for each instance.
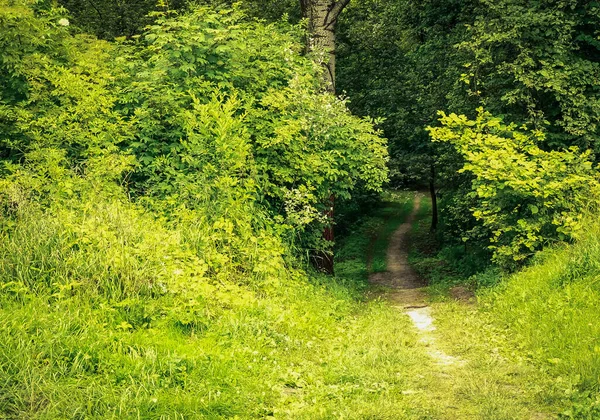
(317, 356)
(297, 347)
(551, 308)
(111, 314)
(544, 317)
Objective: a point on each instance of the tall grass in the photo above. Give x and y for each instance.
(112, 313)
(552, 310)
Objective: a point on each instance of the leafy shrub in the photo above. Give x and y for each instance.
(228, 110)
(526, 196)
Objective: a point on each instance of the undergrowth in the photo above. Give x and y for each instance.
(548, 311)
(110, 314)
(443, 265)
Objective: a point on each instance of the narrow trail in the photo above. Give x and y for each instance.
(404, 289)
(464, 367)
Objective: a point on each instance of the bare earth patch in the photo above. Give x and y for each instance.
(403, 288)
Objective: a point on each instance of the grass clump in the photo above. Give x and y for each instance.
(551, 310)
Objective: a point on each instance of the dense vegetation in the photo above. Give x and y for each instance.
(167, 171)
(531, 65)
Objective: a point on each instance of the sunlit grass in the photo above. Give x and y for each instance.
(311, 347)
(90, 329)
(545, 316)
(551, 310)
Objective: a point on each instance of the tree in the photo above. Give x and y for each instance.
(322, 18)
(397, 60)
(108, 19)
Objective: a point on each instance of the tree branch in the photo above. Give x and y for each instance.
(333, 13)
(337, 8)
(91, 3)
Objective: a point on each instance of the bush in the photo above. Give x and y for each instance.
(526, 196)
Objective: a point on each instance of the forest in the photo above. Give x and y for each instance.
(314, 209)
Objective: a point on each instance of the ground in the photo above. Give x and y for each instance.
(470, 369)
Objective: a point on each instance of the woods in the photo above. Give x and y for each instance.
(168, 170)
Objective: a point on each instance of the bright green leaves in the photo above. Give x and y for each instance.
(526, 196)
(215, 124)
(230, 108)
(59, 129)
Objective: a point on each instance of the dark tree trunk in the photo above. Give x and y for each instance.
(325, 263)
(434, 206)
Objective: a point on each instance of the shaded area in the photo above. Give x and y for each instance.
(400, 284)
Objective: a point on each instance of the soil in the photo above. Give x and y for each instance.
(402, 287)
(400, 284)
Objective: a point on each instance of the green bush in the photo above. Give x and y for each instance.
(526, 196)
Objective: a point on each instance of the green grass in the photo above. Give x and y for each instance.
(496, 380)
(311, 353)
(81, 341)
(551, 309)
(110, 314)
(545, 316)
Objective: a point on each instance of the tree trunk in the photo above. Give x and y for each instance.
(323, 261)
(434, 206)
(322, 17)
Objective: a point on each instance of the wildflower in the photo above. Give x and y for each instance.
(63, 22)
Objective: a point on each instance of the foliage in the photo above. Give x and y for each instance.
(396, 61)
(526, 196)
(223, 106)
(537, 62)
(529, 62)
(550, 309)
(441, 263)
(110, 19)
(216, 111)
(57, 102)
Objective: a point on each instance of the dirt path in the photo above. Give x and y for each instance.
(466, 368)
(404, 289)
